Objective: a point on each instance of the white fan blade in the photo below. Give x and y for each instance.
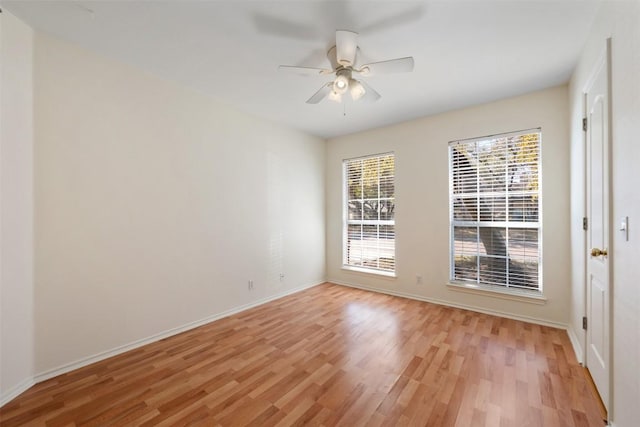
(399, 65)
(321, 94)
(346, 46)
(304, 71)
(370, 95)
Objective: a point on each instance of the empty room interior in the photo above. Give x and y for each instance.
(262, 213)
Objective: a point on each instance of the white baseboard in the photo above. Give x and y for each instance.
(42, 376)
(456, 305)
(18, 389)
(575, 342)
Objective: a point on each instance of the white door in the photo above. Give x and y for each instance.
(598, 258)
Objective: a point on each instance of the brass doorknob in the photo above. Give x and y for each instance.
(598, 252)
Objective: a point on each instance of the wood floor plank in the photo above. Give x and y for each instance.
(330, 355)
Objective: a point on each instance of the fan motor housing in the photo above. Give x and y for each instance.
(331, 56)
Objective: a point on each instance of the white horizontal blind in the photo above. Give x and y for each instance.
(369, 225)
(495, 210)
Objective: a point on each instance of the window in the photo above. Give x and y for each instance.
(369, 226)
(495, 211)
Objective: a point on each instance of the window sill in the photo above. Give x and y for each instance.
(532, 297)
(384, 274)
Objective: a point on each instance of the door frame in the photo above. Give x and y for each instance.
(603, 56)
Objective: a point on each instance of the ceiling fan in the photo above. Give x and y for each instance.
(343, 61)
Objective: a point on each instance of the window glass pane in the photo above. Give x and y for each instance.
(523, 272)
(369, 244)
(523, 208)
(465, 268)
(354, 210)
(465, 240)
(354, 180)
(524, 257)
(386, 263)
(387, 209)
(354, 248)
(523, 242)
(387, 247)
(387, 186)
(387, 166)
(493, 241)
(370, 178)
(493, 208)
(493, 270)
(464, 173)
(465, 208)
(387, 236)
(492, 165)
(370, 209)
(523, 162)
(370, 206)
(495, 204)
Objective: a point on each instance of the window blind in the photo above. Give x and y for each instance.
(495, 210)
(369, 226)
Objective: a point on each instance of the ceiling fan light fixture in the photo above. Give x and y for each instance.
(357, 89)
(335, 97)
(341, 84)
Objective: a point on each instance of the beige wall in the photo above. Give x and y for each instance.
(422, 201)
(621, 22)
(155, 206)
(16, 207)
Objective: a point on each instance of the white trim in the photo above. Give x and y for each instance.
(456, 305)
(575, 343)
(16, 390)
(156, 337)
(513, 294)
(363, 270)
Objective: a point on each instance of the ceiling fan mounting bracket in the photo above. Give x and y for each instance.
(344, 71)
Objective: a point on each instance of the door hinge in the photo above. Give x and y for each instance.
(584, 323)
(585, 223)
(584, 124)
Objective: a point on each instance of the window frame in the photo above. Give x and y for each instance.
(346, 221)
(499, 290)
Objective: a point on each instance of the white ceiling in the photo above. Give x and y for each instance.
(466, 52)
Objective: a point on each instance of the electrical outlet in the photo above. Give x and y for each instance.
(418, 279)
(282, 277)
(250, 285)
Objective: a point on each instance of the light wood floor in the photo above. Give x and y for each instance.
(327, 356)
